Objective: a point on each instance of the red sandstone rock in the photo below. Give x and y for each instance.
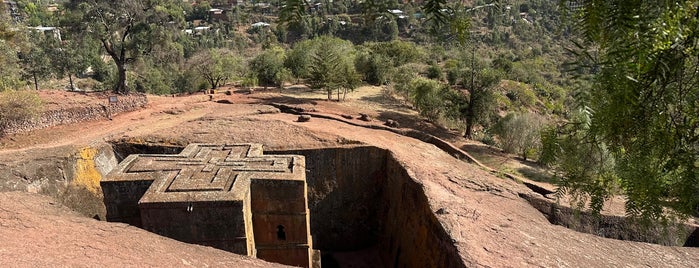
(38, 232)
(489, 224)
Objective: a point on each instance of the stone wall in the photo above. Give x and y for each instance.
(79, 114)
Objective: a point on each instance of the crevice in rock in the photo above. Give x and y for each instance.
(615, 227)
(366, 210)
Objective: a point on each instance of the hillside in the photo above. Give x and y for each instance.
(488, 222)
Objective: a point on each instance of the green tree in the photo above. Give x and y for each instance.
(481, 106)
(69, 57)
(374, 67)
(216, 66)
(643, 106)
(127, 29)
(424, 93)
(298, 59)
(9, 63)
(9, 67)
(267, 65)
(332, 66)
(36, 61)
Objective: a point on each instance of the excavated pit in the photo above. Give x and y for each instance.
(614, 227)
(365, 209)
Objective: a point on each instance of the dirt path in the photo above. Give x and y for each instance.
(161, 113)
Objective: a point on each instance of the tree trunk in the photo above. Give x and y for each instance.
(121, 86)
(70, 79)
(36, 82)
(330, 94)
(469, 128)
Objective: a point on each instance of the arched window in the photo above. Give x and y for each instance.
(281, 235)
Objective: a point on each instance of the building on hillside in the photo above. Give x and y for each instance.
(260, 24)
(52, 8)
(575, 5)
(217, 14)
(48, 31)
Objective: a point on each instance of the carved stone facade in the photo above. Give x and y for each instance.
(230, 197)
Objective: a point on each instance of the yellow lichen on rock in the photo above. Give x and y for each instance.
(86, 173)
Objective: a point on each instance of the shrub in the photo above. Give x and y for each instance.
(267, 64)
(17, 106)
(424, 94)
(435, 72)
(188, 82)
(520, 133)
(375, 68)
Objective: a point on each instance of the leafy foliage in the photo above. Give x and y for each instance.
(332, 66)
(520, 133)
(267, 65)
(481, 101)
(644, 105)
(35, 63)
(127, 29)
(216, 65)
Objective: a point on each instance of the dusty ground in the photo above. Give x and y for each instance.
(490, 224)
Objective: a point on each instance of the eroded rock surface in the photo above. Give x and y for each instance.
(38, 232)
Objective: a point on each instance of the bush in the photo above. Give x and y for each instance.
(17, 106)
(435, 72)
(188, 82)
(267, 65)
(399, 52)
(520, 133)
(375, 68)
(424, 94)
(520, 95)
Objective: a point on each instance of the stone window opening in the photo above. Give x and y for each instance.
(281, 235)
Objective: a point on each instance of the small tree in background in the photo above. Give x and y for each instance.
(9, 67)
(217, 65)
(126, 29)
(267, 65)
(69, 58)
(481, 101)
(332, 71)
(424, 94)
(520, 133)
(35, 62)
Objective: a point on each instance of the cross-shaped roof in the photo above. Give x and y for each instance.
(205, 172)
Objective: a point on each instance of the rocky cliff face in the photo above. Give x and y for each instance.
(69, 174)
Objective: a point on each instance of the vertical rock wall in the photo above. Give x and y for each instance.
(362, 197)
(411, 236)
(69, 174)
(344, 185)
